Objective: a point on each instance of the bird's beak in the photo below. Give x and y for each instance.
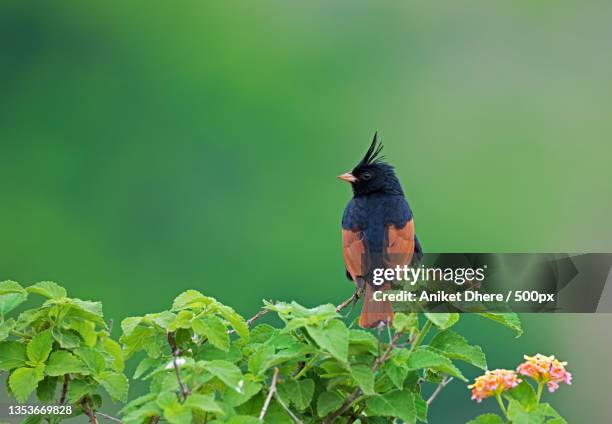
(348, 177)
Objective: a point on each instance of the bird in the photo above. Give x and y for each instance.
(377, 231)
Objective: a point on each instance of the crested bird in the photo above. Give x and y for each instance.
(377, 231)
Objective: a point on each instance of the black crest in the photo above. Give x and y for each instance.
(372, 156)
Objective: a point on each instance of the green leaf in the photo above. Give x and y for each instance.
(6, 327)
(396, 373)
(243, 419)
(23, 381)
(86, 309)
(421, 408)
(397, 403)
(115, 384)
(203, 403)
(93, 359)
(361, 341)
(456, 347)
(85, 329)
(178, 414)
(62, 362)
(79, 388)
(442, 320)
(225, 371)
(508, 319)
(261, 359)
(129, 324)
(214, 330)
(39, 347)
(518, 414)
(46, 389)
(487, 419)
(182, 320)
(48, 289)
(235, 320)
(427, 357)
(332, 337)
(11, 296)
(328, 402)
(143, 366)
(66, 339)
(298, 392)
(191, 299)
(12, 355)
(261, 333)
(113, 349)
(524, 394)
(405, 322)
(364, 377)
(247, 391)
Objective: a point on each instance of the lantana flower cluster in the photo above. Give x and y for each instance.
(545, 369)
(493, 383)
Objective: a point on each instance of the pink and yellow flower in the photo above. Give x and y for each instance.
(545, 369)
(493, 383)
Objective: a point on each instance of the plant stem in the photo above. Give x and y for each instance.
(539, 394)
(307, 367)
(501, 404)
(421, 336)
(264, 408)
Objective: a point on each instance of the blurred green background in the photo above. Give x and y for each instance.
(149, 148)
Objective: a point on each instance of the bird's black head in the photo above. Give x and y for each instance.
(372, 174)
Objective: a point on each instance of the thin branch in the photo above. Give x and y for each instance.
(295, 419)
(354, 297)
(89, 411)
(436, 392)
(379, 361)
(108, 417)
(175, 354)
(110, 326)
(64, 388)
(264, 408)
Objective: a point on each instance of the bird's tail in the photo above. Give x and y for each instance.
(373, 312)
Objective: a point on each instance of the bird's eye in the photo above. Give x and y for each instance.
(366, 176)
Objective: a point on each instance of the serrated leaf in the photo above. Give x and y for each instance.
(129, 324)
(421, 408)
(214, 330)
(236, 320)
(405, 322)
(332, 337)
(427, 357)
(364, 377)
(39, 347)
(113, 349)
(143, 366)
(396, 373)
(48, 289)
(115, 384)
(62, 362)
(487, 419)
(456, 347)
(85, 329)
(79, 388)
(261, 359)
(508, 319)
(442, 320)
(524, 394)
(178, 414)
(203, 403)
(261, 333)
(182, 320)
(235, 398)
(328, 402)
(362, 341)
(139, 338)
(66, 339)
(86, 309)
(11, 296)
(225, 371)
(12, 355)
(45, 392)
(6, 327)
(298, 392)
(93, 359)
(191, 299)
(23, 381)
(209, 352)
(397, 403)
